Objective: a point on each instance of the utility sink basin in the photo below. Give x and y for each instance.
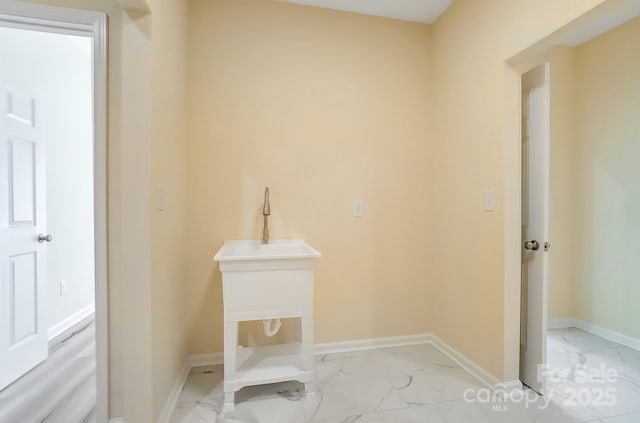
(267, 281)
(253, 250)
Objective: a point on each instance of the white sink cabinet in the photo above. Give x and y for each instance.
(260, 282)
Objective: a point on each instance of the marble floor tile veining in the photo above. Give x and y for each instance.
(421, 384)
(592, 378)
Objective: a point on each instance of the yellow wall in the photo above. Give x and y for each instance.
(146, 146)
(595, 90)
(476, 93)
(608, 189)
(168, 174)
(324, 107)
(130, 317)
(130, 378)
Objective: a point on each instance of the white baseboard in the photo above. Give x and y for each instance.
(463, 361)
(214, 359)
(192, 361)
(510, 385)
(70, 321)
(371, 344)
(611, 335)
(117, 420)
(176, 389)
(608, 334)
(466, 363)
(567, 322)
(199, 360)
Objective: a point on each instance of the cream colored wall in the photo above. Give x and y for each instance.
(608, 188)
(476, 93)
(131, 320)
(131, 355)
(324, 107)
(562, 230)
(168, 174)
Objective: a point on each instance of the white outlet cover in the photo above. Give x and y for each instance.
(64, 288)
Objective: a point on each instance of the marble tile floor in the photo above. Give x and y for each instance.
(412, 384)
(600, 375)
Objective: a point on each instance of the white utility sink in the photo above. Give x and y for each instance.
(264, 282)
(253, 250)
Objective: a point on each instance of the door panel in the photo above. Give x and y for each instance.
(20, 107)
(23, 328)
(22, 198)
(23, 287)
(535, 230)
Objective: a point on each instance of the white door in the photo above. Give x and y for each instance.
(23, 329)
(535, 227)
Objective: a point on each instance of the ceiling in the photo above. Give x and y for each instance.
(423, 11)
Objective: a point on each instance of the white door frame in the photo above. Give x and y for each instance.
(94, 25)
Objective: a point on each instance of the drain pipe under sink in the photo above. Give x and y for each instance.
(269, 328)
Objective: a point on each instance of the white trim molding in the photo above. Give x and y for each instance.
(512, 388)
(465, 362)
(199, 360)
(70, 321)
(176, 389)
(191, 362)
(608, 334)
(117, 420)
(372, 344)
(567, 322)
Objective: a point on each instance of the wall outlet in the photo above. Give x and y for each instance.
(64, 288)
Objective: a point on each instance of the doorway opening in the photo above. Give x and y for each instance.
(53, 316)
(593, 94)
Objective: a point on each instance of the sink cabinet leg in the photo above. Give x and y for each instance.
(306, 324)
(230, 353)
(309, 388)
(229, 402)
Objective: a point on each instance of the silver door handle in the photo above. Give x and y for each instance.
(532, 245)
(43, 238)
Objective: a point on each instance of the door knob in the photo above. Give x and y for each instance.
(43, 238)
(532, 245)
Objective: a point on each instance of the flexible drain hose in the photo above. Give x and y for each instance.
(269, 328)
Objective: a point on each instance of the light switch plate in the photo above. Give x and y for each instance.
(357, 210)
(489, 201)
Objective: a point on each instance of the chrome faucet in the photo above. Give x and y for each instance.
(266, 211)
